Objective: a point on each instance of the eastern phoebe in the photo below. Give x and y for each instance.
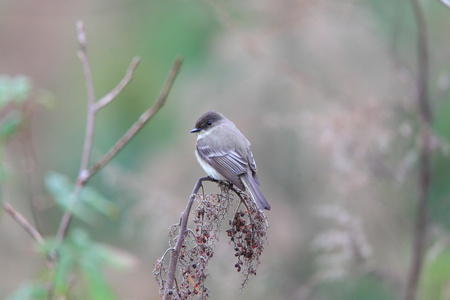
(224, 153)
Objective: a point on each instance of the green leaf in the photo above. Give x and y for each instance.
(92, 198)
(75, 248)
(82, 257)
(436, 278)
(47, 247)
(16, 89)
(20, 88)
(29, 291)
(97, 286)
(100, 254)
(62, 190)
(64, 269)
(46, 98)
(116, 258)
(60, 187)
(439, 196)
(89, 203)
(10, 124)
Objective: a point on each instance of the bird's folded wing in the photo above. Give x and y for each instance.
(252, 164)
(229, 163)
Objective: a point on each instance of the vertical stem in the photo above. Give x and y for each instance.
(90, 124)
(425, 172)
(90, 121)
(181, 237)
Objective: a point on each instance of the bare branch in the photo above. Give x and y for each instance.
(90, 122)
(22, 221)
(425, 173)
(30, 164)
(187, 268)
(122, 84)
(143, 119)
(182, 235)
(446, 3)
(89, 135)
(85, 173)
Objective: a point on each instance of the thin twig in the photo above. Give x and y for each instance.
(22, 221)
(90, 122)
(164, 254)
(446, 3)
(122, 84)
(181, 237)
(425, 175)
(89, 135)
(143, 119)
(30, 161)
(85, 174)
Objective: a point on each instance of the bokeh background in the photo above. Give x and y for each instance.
(325, 91)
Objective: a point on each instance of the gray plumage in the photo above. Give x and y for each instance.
(224, 153)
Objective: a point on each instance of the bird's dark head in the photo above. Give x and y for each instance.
(207, 121)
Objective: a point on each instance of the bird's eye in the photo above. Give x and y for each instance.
(209, 123)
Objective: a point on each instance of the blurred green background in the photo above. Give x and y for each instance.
(324, 90)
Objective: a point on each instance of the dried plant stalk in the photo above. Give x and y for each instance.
(248, 235)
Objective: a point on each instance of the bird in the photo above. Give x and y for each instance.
(224, 154)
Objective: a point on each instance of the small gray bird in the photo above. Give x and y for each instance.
(224, 153)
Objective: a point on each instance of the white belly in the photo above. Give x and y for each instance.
(210, 171)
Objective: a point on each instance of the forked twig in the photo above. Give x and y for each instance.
(119, 88)
(89, 135)
(85, 172)
(143, 119)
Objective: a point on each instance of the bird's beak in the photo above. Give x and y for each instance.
(195, 130)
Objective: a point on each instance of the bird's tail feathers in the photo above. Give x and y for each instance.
(252, 187)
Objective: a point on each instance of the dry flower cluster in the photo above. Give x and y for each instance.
(248, 234)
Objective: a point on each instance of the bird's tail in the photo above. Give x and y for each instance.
(253, 188)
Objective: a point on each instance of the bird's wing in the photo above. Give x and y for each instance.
(229, 163)
(252, 165)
